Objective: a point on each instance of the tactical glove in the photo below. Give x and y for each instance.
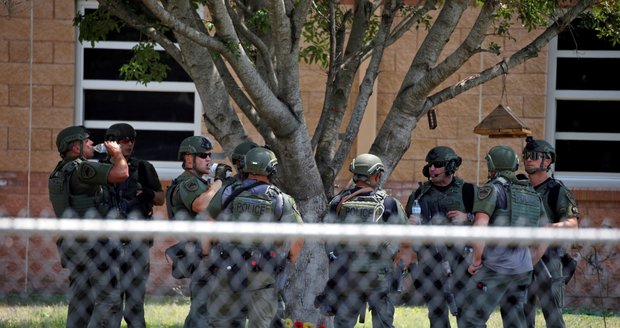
(223, 172)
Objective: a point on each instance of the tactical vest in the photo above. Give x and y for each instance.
(253, 207)
(63, 201)
(126, 191)
(362, 209)
(459, 195)
(518, 204)
(365, 209)
(175, 206)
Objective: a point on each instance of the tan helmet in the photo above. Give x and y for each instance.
(366, 164)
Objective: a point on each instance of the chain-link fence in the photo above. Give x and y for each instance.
(232, 272)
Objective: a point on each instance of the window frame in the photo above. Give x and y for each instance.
(165, 169)
(578, 179)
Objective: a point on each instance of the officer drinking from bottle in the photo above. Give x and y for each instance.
(79, 188)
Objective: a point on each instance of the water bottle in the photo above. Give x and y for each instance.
(416, 213)
(100, 148)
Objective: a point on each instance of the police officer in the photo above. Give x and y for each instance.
(548, 284)
(79, 188)
(363, 274)
(243, 285)
(444, 199)
(238, 160)
(187, 196)
(502, 273)
(136, 197)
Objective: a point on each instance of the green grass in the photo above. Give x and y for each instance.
(169, 312)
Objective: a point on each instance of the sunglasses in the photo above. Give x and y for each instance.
(437, 164)
(126, 140)
(203, 155)
(534, 155)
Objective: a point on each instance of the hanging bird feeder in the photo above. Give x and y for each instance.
(502, 123)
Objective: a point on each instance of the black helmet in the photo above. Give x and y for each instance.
(539, 146)
(260, 161)
(68, 135)
(119, 131)
(241, 150)
(194, 145)
(502, 158)
(445, 155)
(366, 164)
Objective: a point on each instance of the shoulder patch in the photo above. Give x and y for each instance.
(87, 171)
(484, 192)
(191, 185)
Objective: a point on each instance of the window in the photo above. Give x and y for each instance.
(163, 113)
(583, 108)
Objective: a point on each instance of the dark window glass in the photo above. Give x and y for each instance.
(104, 64)
(588, 116)
(578, 38)
(588, 156)
(177, 107)
(152, 145)
(588, 74)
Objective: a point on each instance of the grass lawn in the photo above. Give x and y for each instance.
(169, 312)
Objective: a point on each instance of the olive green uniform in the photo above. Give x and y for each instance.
(179, 198)
(441, 272)
(507, 271)
(548, 283)
(243, 284)
(78, 188)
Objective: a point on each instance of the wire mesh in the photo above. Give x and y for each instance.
(110, 265)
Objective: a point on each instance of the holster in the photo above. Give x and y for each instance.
(185, 257)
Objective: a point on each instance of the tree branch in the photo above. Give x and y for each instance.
(366, 87)
(527, 52)
(269, 107)
(469, 46)
(258, 43)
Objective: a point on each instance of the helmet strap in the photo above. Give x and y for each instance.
(81, 148)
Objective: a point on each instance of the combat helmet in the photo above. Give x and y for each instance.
(68, 135)
(539, 146)
(240, 151)
(502, 158)
(260, 161)
(194, 145)
(366, 164)
(442, 154)
(119, 131)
